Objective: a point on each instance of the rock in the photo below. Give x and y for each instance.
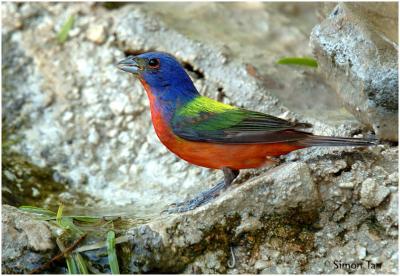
(174, 242)
(372, 193)
(117, 105)
(346, 185)
(387, 214)
(361, 62)
(261, 264)
(362, 252)
(26, 243)
(96, 33)
(210, 263)
(93, 136)
(67, 116)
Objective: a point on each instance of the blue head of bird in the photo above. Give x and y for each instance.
(164, 76)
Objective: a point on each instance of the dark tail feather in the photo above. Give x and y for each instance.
(326, 141)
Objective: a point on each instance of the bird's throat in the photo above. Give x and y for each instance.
(167, 101)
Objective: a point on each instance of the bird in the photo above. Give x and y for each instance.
(211, 134)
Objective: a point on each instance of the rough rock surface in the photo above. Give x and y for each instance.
(74, 113)
(79, 115)
(26, 243)
(361, 62)
(294, 218)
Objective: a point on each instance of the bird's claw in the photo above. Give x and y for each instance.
(201, 199)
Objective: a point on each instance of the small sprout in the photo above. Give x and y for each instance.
(63, 33)
(302, 61)
(59, 215)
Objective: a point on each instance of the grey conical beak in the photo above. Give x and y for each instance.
(129, 65)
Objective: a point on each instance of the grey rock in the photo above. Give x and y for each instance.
(361, 62)
(362, 252)
(373, 193)
(209, 263)
(387, 214)
(261, 264)
(26, 243)
(168, 244)
(96, 33)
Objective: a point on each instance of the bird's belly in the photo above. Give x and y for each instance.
(217, 156)
(236, 156)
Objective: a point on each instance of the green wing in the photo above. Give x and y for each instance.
(207, 120)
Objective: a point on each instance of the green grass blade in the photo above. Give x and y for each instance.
(102, 244)
(80, 261)
(37, 210)
(63, 34)
(112, 256)
(302, 61)
(71, 265)
(59, 215)
(88, 219)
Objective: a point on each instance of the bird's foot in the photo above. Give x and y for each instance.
(199, 200)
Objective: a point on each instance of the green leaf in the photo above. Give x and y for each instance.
(112, 256)
(80, 261)
(302, 61)
(37, 210)
(63, 33)
(71, 265)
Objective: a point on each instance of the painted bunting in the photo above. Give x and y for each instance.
(212, 134)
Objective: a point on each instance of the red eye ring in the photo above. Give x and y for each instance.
(154, 63)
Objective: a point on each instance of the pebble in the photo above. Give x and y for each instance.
(117, 106)
(347, 185)
(123, 137)
(35, 192)
(74, 32)
(372, 193)
(260, 264)
(394, 178)
(112, 133)
(362, 252)
(96, 33)
(67, 116)
(129, 109)
(93, 137)
(9, 175)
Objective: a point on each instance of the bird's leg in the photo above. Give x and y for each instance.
(206, 196)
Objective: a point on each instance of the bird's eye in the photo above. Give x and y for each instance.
(154, 63)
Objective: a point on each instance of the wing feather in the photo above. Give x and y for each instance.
(207, 120)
